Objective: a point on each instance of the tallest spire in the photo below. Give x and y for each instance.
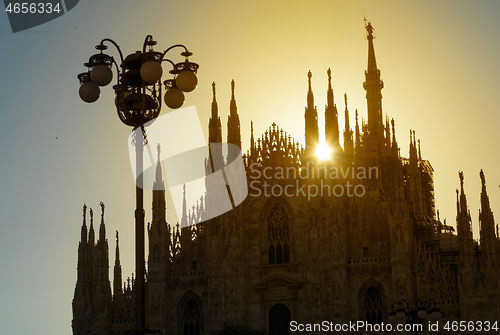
(372, 62)
(373, 86)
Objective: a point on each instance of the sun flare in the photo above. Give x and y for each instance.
(323, 151)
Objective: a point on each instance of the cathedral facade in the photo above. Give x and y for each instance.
(317, 246)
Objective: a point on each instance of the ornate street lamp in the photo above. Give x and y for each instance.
(414, 314)
(138, 100)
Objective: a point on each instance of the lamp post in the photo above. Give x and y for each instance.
(414, 314)
(138, 100)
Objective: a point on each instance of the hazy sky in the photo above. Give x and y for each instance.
(438, 59)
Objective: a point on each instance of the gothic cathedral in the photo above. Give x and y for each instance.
(301, 250)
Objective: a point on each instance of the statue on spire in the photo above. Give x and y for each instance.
(369, 28)
(84, 210)
(329, 73)
(102, 208)
(213, 89)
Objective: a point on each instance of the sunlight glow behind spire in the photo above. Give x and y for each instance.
(323, 151)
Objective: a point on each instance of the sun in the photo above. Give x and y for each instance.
(323, 151)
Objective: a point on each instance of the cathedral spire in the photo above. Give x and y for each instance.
(216, 160)
(419, 152)
(158, 183)
(102, 227)
(83, 238)
(117, 279)
(387, 133)
(184, 218)
(486, 221)
(346, 113)
(331, 117)
(464, 229)
(102, 253)
(253, 148)
(394, 143)
(82, 265)
(252, 141)
(233, 127)
(372, 61)
(311, 122)
(357, 132)
(159, 204)
(373, 86)
(214, 102)
(91, 230)
(214, 124)
(232, 105)
(413, 147)
(310, 96)
(348, 144)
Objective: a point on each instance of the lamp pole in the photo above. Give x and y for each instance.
(414, 314)
(138, 100)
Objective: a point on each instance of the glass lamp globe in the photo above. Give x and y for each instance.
(101, 75)
(422, 313)
(186, 81)
(392, 318)
(174, 98)
(400, 315)
(151, 71)
(89, 92)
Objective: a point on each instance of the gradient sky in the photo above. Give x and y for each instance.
(438, 59)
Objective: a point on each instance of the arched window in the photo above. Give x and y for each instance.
(191, 318)
(279, 254)
(278, 236)
(279, 320)
(373, 306)
(286, 253)
(272, 254)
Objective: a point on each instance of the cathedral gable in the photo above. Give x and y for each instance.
(277, 287)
